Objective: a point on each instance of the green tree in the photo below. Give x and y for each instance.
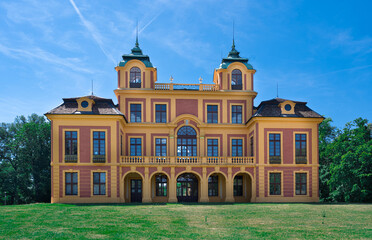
(25, 159)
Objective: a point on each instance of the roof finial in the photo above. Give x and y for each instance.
(233, 45)
(277, 89)
(137, 35)
(92, 88)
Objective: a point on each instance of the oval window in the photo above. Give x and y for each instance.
(84, 104)
(288, 107)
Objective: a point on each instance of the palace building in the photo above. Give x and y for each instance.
(167, 142)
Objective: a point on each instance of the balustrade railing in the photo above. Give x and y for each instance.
(195, 87)
(181, 160)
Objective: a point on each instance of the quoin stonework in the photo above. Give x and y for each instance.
(167, 142)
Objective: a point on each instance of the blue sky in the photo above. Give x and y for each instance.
(317, 51)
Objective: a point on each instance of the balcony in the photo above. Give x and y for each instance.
(99, 158)
(187, 87)
(71, 158)
(178, 160)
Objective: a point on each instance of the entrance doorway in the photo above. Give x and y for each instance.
(136, 190)
(187, 188)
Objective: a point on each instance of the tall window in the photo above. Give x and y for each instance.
(212, 114)
(135, 77)
(237, 147)
(160, 113)
(121, 145)
(161, 185)
(99, 183)
(213, 186)
(301, 183)
(71, 183)
(238, 186)
(160, 147)
(99, 146)
(135, 112)
(70, 146)
(301, 148)
(275, 183)
(186, 142)
(274, 151)
(236, 80)
(136, 147)
(236, 114)
(252, 146)
(212, 150)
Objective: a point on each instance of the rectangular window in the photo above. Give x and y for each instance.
(301, 183)
(135, 113)
(252, 146)
(301, 148)
(121, 145)
(71, 183)
(275, 183)
(161, 113)
(161, 147)
(213, 186)
(136, 147)
(237, 147)
(99, 146)
(236, 114)
(274, 151)
(212, 150)
(71, 146)
(99, 183)
(238, 186)
(212, 114)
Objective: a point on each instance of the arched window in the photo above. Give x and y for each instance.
(186, 142)
(236, 80)
(135, 77)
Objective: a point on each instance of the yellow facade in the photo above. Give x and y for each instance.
(226, 154)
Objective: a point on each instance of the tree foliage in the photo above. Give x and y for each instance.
(25, 160)
(345, 158)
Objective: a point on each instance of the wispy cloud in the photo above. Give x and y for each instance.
(151, 21)
(351, 45)
(93, 31)
(40, 54)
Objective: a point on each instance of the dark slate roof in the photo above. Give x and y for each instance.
(136, 54)
(234, 57)
(101, 106)
(271, 108)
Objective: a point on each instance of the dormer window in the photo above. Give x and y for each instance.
(236, 80)
(85, 104)
(135, 77)
(287, 107)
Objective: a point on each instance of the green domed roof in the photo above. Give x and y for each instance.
(136, 54)
(234, 57)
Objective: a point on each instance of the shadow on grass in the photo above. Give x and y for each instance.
(202, 204)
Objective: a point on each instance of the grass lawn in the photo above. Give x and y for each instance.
(199, 221)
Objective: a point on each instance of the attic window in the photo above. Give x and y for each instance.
(84, 104)
(288, 107)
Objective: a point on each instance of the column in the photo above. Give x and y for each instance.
(229, 186)
(172, 187)
(146, 187)
(204, 187)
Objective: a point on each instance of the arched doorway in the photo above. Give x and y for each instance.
(187, 188)
(133, 187)
(186, 142)
(216, 187)
(242, 187)
(159, 187)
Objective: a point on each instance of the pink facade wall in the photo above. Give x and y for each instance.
(84, 142)
(187, 106)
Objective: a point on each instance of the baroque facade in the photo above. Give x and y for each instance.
(166, 142)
